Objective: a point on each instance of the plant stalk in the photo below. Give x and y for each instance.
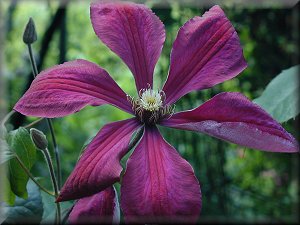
(57, 159)
(32, 60)
(33, 123)
(6, 118)
(32, 177)
(49, 122)
(54, 182)
(56, 185)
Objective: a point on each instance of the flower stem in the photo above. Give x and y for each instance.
(33, 123)
(32, 177)
(33, 63)
(56, 185)
(7, 116)
(55, 151)
(49, 122)
(67, 213)
(54, 182)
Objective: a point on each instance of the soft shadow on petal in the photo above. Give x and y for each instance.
(158, 185)
(206, 52)
(100, 208)
(134, 33)
(67, 88)
(99, 166)
(232, 117)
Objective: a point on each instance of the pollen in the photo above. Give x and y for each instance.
(149, 107)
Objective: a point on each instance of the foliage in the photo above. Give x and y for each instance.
(49, 209)
(26, 210)
(281, 96)
(22, 146)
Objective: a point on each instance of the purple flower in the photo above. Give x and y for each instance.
(102, 207)
(158, 185)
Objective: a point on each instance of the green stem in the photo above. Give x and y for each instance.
(54, 182)
(67, 213)
(32, 177)
(8, 115)
(33, 123)
(57, 159)
(33, 64)
(56, 152)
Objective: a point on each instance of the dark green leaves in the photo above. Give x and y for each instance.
(22, 146)
(26, 211)
(281, 96)
(49, 209)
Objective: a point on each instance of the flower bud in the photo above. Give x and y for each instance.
(39, 139)
(29, 35)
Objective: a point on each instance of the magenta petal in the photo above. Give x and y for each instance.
(134, 33)
(158, 185)
(206, 52)
(100, 208)
(232, 117)
(99, 166)
(67, 88)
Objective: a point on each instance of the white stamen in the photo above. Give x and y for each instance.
(149, 107)
(151, 100)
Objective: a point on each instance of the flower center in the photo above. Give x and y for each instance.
(149, 107)
(151, 100)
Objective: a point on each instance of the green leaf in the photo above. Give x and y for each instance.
(281, 96)
(25, 211)
(21, 144)
(7, 194)
(50, 208)
(5, 153)
(5, 156)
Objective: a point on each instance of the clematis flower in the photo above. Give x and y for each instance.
(158, 184)
(100, 208)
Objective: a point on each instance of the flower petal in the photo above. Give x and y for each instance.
(134, 33)
(67, 88)
(99, 208)
(99, 166)
(206, 52)
(232, 117)
(158, 185)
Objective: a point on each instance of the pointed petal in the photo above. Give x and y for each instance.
(67, 88)
(99, 166)
(134, 33)
(100, 208)
(158, 185)
(206, 52)
(232, 117)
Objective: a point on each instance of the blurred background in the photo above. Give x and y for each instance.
(238, 184)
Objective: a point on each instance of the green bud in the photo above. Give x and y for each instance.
(29, 35)
(39, 139)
